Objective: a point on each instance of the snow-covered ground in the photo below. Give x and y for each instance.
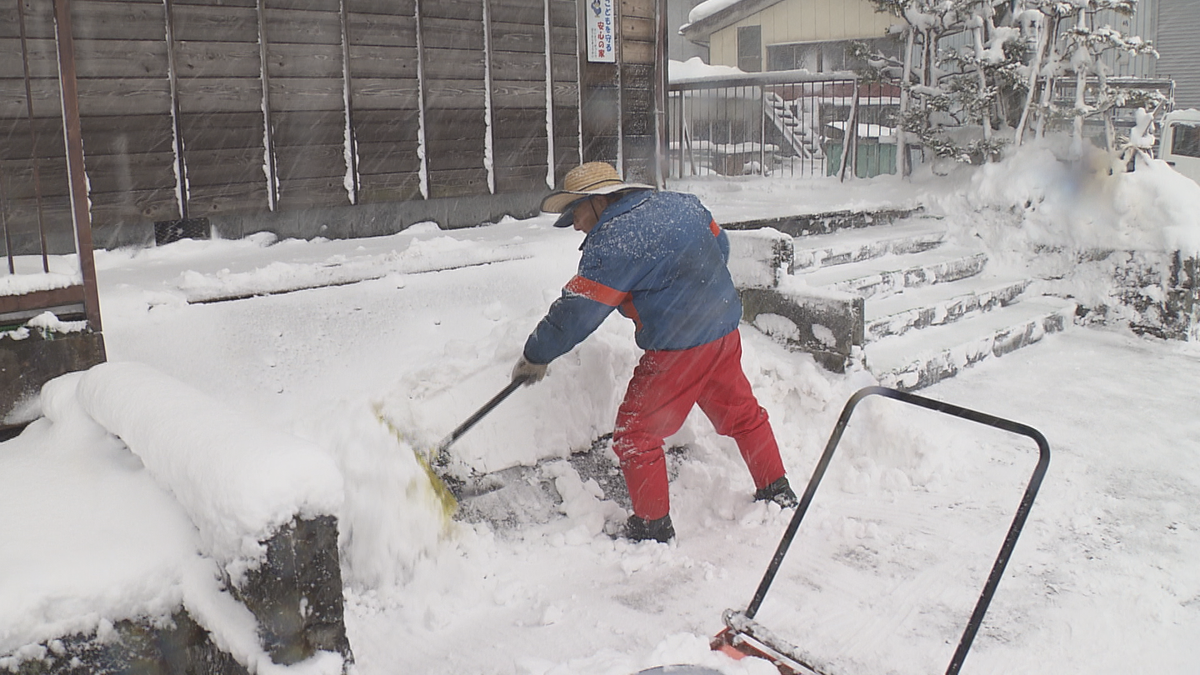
(425, 325)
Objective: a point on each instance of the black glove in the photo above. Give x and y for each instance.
(528, 372)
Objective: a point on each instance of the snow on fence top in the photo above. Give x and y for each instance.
(696, 69)
(30, 276)
(238, 481)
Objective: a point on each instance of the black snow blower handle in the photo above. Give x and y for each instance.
(440, 458)
(1010, 540)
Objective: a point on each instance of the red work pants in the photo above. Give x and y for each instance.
(665, 386)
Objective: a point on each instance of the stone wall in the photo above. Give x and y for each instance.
(1155, 294)
(295, 595)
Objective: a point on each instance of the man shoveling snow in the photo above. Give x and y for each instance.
(661, 260)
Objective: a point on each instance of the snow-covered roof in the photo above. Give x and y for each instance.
(711, 16)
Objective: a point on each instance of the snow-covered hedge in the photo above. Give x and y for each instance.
(237, 480)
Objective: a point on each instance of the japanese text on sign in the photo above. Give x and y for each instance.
(601, 26)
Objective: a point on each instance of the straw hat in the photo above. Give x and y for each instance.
(585, 180)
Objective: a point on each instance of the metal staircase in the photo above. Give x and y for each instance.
(801, 138)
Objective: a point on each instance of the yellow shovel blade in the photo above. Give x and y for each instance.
(446, 499)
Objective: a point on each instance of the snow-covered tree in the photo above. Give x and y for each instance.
(999, 85)
(952, 100)
(1070, 48)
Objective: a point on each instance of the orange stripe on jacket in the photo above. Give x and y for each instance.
(716, 229)
(628, 310)
(597, 291)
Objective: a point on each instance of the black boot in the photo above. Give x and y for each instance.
(640, 529)
(779, 492)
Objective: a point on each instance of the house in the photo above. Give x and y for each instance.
(765, 35)
(805, 113)
(759, 35)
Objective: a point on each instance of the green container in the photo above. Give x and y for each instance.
(874, 158)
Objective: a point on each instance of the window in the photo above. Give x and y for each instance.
(823, 57)
(749, 48)
(1185, 139)
(808, 57)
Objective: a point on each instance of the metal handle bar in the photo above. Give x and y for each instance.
(1010, 540)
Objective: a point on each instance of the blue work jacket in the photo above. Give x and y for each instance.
(661, 259)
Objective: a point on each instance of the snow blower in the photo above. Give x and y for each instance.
(743, 636)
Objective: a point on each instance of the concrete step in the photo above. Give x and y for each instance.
(938, 304)
(910, 236)
(921, 358)
(811, 224)
(878, 277)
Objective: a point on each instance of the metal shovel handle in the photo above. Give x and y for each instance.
(440, 458)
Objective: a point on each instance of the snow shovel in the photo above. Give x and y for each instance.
(435, 462)
(743, 636)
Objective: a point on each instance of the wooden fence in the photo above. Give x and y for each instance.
(205, 108)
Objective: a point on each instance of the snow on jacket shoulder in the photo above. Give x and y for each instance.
(661, 259)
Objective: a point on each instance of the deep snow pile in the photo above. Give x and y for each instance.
(1083, 206)
(135, 494)
(888, 563)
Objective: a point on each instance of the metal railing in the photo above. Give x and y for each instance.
(786, 123)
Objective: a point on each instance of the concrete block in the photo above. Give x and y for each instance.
(826, 323)
(296, 594)
(759, 258)
(26, 364)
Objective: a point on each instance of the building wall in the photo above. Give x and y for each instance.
(297, 112)
(1172, 26)
(1178, 44)
(678, 47)
(618, 106)
(803, 21)
(1143, 23)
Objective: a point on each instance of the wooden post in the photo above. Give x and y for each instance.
(348, 96)
(661, 132)
(422, 141)
(268, 132)
(489, 112)
(547, 28)
(176, 122)
(75, 175)
(8, 254)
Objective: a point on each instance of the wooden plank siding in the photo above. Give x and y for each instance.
(33, 182)
(564, 71)
(220, 100)
(617, 101)
(386, 98)
(193, 108)
(518, 80)
(307, 101)
(128, 101)
(455, 96)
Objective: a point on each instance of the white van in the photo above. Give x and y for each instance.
(1180, 145)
